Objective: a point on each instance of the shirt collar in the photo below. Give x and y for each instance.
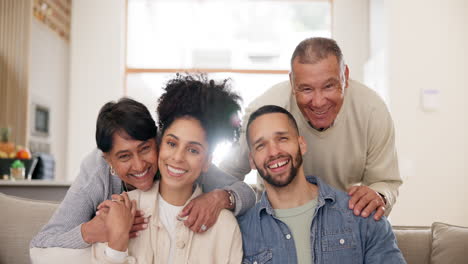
(149, 199)
(326, 193)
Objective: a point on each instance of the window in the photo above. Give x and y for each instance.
(250, 42)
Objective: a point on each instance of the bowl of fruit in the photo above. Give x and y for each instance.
(13, 156)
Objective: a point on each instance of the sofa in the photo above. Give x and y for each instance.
(22, 219)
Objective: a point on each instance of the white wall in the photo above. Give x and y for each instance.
(350, 29)
(96, 73)
(48, 86)
(427, 44)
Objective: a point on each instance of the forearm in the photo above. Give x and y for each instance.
(119, 241)
(68, 239)
(218, 179)
(101, 253)
(381, 172)
(244, 197)
(390, 190)
(64, 228)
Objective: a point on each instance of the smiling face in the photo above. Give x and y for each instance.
(319, 89)
(276, 149)
(183, 154)
(134, 161)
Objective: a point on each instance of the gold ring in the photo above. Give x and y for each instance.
(117, 200)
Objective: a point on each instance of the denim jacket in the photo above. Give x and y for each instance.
(337, 235)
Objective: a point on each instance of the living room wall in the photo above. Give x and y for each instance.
(427, 43)
(48, 86)
(96, 71)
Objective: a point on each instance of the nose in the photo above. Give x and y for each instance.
(178, 155)
(318, 99)
(273, 149)
(138, 163)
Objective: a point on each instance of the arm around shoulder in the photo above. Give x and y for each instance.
(218, 179)
(78, 207)
(381, 172)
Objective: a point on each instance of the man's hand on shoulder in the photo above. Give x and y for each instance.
(364, 201)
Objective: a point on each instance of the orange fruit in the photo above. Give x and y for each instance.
(23, 154)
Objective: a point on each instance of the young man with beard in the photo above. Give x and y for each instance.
(301, 219)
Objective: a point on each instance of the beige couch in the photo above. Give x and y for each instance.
(23, 218)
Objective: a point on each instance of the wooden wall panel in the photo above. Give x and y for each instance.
(15, 24)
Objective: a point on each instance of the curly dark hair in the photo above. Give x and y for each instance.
(212, 103)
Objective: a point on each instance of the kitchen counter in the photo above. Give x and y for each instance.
(36, 189)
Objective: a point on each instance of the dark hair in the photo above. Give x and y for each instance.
(313, 50)
(127, 115)
(269, 109)
(211, 103)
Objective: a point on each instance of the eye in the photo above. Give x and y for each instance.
(171, 144)
(282, 139)
(194, 151)
(330, 86)
(259, 147)
(124, 157)
(306, 90)
(145, 148)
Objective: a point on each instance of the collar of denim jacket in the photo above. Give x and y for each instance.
(325, 193)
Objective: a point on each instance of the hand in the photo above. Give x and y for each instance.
(364, 201)
(204, 210)
(119, 221)
(95, 230)
(140, 222)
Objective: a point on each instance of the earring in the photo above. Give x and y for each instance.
(112, 171)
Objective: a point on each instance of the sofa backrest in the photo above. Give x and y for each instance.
(415, 243)
(21, 220)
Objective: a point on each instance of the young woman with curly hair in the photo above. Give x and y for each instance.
(194, 114)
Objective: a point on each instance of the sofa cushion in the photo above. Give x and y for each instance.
(449, 244)
(414, 243)
(21, 220)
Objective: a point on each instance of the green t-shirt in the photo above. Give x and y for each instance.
(299, 220)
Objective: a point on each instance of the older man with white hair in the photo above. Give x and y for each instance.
(346, 124)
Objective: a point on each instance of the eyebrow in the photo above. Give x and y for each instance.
(190, 142)
(278, 133)
(331, 79)
(126, 150)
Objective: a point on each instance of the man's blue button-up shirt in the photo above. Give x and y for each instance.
(336, 234)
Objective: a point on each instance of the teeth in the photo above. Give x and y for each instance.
(174, 170)
(279, 164)
(320, 113)
(141, 174)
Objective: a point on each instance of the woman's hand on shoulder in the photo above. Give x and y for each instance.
(140, 222)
